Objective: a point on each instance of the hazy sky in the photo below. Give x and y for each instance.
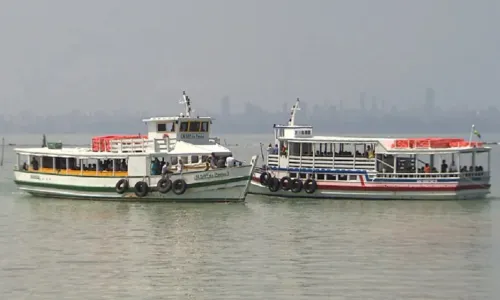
(59, 55)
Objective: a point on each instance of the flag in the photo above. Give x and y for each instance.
(476, 133)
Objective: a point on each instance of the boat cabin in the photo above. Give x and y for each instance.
(181, 128)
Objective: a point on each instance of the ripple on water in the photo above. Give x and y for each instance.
(262, 249)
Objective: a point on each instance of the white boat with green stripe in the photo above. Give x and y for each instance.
(176, 161)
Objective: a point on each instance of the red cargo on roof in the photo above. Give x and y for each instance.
(433, 142)
(103, 143)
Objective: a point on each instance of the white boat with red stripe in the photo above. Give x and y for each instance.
(302, 165)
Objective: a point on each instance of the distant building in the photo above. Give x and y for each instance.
(225, 106)
(374, 104)
(362, 104)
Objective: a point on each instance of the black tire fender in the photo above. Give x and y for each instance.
(179, 186)
(164, 185)
(121, 186)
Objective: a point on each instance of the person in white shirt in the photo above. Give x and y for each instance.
(230, 161)
(180, 166)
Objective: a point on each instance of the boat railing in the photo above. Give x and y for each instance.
(359, 163)
(434, 176)
(141, 145)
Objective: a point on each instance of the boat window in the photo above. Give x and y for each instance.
(194, 126)
(204, 158)
(184, 127)
(174, 160)
(195, 159)
(331, 177)
(204, 126)
(342, 177)
(353, 177)
(161, 127)
(320, 176)
(302, 175)
(184, 159)
(293, 175)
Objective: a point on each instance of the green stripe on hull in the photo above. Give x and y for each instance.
(112, 189)
(135, 199)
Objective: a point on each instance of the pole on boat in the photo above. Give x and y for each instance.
(44, 141)
(295, 108)
(261, 152)
(3, 147)
(470, 136)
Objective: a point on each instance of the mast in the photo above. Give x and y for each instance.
(187, 103)
(295, 108)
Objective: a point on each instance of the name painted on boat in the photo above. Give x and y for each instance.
(211, 175)
(196, 136)
(427, 181)
(37, 177)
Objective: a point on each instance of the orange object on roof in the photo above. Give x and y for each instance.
(103, 143)
(433, 142)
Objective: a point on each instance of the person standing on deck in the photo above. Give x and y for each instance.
(180, 166)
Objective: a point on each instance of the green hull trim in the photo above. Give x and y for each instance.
(112, 189)
(133, 199)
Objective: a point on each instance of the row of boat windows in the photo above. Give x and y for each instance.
(342, 177)
(72, 163)
(188, 126)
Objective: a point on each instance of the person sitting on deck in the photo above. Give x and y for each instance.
(270, 149)
(453, 168)
(444, 167)
(34, 164)
(427, 168)
(283, 151)
(370, 151)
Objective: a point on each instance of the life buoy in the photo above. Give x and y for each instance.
(310, 186)
(121, 186)
(165, 135)
(141, 189)
(164, 185)
(285, 183)
(274, 184)
(264, 178)
(296, 185)
(179, 186)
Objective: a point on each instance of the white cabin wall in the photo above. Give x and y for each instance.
(139, 166)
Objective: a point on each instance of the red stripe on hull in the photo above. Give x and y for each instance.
(397, 188)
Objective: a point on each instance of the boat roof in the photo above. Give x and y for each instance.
(385, 142)
(175, 118)
(183, 148)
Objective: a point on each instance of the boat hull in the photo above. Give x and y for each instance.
(221, 185)
(383, 190)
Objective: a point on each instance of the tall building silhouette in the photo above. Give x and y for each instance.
(362, 104)
(225, 106)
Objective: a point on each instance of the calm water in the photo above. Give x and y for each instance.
(263, 249)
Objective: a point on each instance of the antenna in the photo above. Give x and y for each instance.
(187, 102)
(295, 108)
